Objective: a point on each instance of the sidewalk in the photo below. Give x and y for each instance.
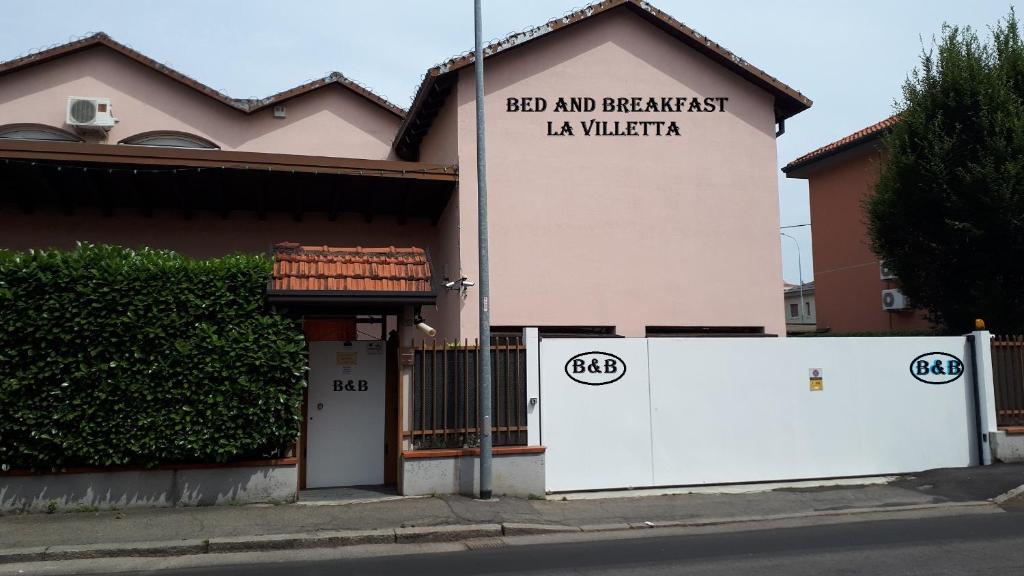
(252, 527)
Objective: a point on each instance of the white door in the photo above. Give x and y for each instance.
(345, 430)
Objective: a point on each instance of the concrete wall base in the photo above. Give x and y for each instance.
(512, 475)
(1007, 447)
(147, 488)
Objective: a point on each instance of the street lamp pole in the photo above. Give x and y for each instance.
(485, 290)
(800, 271)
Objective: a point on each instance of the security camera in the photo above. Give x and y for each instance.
(423, 326)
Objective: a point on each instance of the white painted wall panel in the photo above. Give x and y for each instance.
(596, 436)
(741, 410)
(737, 410)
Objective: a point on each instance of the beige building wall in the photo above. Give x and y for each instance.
(441, 146)
(331, 121)
(622, 231)
(615, 231)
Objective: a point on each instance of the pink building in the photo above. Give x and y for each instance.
(631, 171)
(854, 292)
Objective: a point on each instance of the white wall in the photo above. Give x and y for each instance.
(699, 411)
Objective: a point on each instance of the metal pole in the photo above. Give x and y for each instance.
(800, 272)
(484, 287)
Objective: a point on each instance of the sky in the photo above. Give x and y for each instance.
(849, 56)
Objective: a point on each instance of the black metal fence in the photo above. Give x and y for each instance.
(1008, 373)
(446, 390)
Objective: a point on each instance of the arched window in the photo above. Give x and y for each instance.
(169, 139)
(37, 132)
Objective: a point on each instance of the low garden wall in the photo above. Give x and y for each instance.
(1008, 444)
(516, 471)
(167, 486)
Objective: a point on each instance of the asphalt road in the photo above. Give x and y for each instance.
(976, 544)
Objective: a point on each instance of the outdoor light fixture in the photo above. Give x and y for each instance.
(423, 326)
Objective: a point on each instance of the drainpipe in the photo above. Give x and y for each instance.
(980, 437)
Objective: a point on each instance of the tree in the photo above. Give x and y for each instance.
(948, 211)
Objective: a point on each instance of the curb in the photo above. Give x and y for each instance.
(409, 535)
(1009, 494)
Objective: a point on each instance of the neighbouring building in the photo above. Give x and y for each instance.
(800, 308)
(854, 292)
(628, 157)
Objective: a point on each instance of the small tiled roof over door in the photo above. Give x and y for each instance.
(356, 269)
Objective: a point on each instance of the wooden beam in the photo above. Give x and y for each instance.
(367, 202)
(28, 189)
(106, 192)
(130, 183)
(182, 185)
(335, 207)
(261, 196)
(441, 206)
(65, 180)
(404, 199)
(297, 208)
(145, 189)
(221, 187)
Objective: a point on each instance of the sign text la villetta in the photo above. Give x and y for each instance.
(624, 105)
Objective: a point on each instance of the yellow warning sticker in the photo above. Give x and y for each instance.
(817, 379)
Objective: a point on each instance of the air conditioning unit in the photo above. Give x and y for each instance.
(90, 113)
(885, 273)
(893, 300)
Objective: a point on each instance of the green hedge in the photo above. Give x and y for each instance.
(110, 356)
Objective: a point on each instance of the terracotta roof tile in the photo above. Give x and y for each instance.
(356, 269)
(864, 135)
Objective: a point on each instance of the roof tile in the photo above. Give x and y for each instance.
(869, 133)
(390, 269)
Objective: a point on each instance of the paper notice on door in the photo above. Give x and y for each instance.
(346, 358)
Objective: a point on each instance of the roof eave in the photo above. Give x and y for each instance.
(798, 168)
(331, 79)
(240, 105)
(788, 102)
(350, 298)
(402, 146)
(216, 158)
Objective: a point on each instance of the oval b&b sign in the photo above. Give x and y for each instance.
(595, 368)
(936, 368)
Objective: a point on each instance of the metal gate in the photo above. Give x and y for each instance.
(445, 394)
(1008, 374)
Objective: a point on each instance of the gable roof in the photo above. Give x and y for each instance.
(862, 136)
(246, 105)
(438, 81)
